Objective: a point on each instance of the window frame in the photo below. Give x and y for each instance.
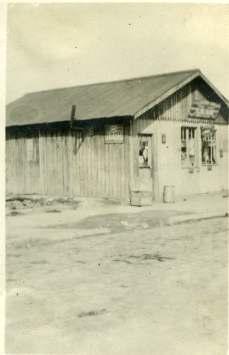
(187, 133)
(32, 150)
(212, 146)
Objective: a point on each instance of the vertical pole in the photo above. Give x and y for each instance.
(73, 112)
(155, 179)
(131, 159)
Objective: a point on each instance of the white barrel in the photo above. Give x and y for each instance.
(169, 194)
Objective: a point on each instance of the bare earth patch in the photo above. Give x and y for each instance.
(139, 287)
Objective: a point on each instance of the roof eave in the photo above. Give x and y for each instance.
(172, 90)
(65, 121)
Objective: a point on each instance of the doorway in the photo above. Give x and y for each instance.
(145, 162)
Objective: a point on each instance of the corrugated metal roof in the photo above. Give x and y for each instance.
(103, 100)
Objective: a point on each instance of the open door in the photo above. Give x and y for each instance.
(145, 161)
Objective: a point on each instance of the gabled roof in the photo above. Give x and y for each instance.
(125, 98)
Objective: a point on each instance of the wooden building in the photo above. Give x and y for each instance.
(119, 139)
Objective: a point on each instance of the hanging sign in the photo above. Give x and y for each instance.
(204, 109)
(114, 133)
(91, 131)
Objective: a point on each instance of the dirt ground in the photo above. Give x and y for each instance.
(115, 283)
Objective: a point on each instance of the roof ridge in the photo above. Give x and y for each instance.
(115, 81)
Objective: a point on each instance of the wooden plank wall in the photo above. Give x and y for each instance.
(71, 163)
(177, 106)
(175, 111)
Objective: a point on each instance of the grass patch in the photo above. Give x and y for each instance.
(53, 210)
(92, 313)
(123, 261)
(14, 213)
(13, 255)
(143, 257)
(156, 257)
(39, 262)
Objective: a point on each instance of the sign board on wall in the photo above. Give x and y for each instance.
(114, 133)
(204, 109)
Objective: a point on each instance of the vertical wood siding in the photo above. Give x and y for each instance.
(78, 163)
(167, 118)
(70, 163)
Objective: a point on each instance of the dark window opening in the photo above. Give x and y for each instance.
(144, 151)
(188, 146)
(208, 146)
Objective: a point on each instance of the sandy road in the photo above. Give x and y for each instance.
(144, 288)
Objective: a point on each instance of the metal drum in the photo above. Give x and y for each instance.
(169, 194)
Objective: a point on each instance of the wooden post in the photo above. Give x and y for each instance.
(155, 143)
(131, 158)
(73, 112)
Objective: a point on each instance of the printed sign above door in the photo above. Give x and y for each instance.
(204, 109)
(114, 133)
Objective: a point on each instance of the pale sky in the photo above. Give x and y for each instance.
(58, 45)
